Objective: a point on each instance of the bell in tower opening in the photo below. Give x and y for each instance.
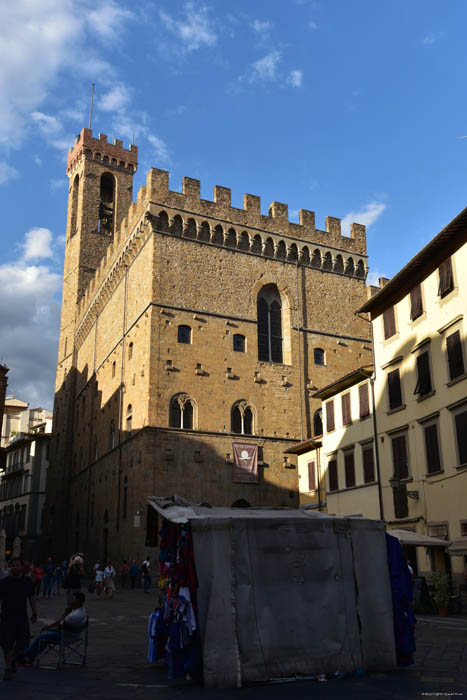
(106, 204)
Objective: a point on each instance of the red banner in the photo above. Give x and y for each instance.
(245, 467)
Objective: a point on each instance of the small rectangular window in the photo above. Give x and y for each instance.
(346, 414)
(455, 355)
(446, 281)
(330, 424)
(394, 389)
(368, 464)
(389, 322)
(416, 304)
(239, 342)
(311, 476)
(423, 385)
(464, 528)
(332, 472)
(433, 460)
(400, 457)
(349, 463)
(364, 400)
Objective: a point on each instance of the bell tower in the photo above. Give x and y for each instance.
(100, 193)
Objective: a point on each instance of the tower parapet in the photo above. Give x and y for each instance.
(101, 150)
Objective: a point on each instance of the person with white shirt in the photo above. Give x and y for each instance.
(109, 580)
(72, 621)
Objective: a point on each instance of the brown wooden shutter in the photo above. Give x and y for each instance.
(399, 456)
(332, 472)
(416, 305)
(423, 385)
(311, 476)
(394, 389)
(364, 401)
(461, 433)
(346, 416)
(368, 465)
(389, 320)
(446, 283)
(330, 425)
(433, 462)
(455, 356)
(349, 463)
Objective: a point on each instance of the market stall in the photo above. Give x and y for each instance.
(283, 592)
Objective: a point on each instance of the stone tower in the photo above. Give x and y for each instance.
(100, 193)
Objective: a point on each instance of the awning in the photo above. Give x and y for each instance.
(458, 547)
(413, 538)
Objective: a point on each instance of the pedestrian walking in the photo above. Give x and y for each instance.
(146, 571)
(99, 575)
(37, 574)
(124, 569)
(109, 580)
(15, 592)
(134, 572)
(48, 578)
(74, 575)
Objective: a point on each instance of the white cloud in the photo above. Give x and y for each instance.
(261, 26)
(373, 277)
(37, 160)
(430, 39)
(367, 216)
(295, 78)
(265, 68)
(116, 99)
(109, 19)
(135, 126)
(195, 29)
(52, 130)
(312, 25)
(29, 310)
(57, 184)
(7, 173)
(37, 244)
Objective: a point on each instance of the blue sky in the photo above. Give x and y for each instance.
(350, 108)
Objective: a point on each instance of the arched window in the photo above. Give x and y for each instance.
(281, 250)
(350, 267)
(177, 226)
(244, 242)
(163, 221)
(339, 264)
(129, 417)
(190, 231)
(269, 248)
(327, 263)
(231, 241)
(319, 356)
(205, 232)
(242, 419)
(239, 342)
(218, 235)
(184, 335)
(74, 208)
(318, 422)
(106, 204)
(130, 350)
(305, 256)
(112, 435)
(257, 245)
(182, 412)
(269, 310)
(360, 272)
(316, 259)
(293, 253)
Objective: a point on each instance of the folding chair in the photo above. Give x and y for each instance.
(71, 648)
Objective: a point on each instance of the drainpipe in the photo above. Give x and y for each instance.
(375, 427)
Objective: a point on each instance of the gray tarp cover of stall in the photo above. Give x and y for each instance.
(284, 592)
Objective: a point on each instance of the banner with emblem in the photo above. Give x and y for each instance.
(245, 464)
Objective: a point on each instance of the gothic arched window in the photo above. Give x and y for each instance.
(106, 204)
(269, 310)
(242, 419)
(318, 423)
(182, 414)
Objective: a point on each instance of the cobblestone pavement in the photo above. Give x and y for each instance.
(117, 666)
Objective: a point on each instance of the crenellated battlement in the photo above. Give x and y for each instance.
(277, 220)
(101, 150)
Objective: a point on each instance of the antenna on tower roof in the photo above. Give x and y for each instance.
(90, 107)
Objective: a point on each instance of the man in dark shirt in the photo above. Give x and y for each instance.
(15, 590)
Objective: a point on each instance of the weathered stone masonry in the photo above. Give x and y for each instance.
(135, 272)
